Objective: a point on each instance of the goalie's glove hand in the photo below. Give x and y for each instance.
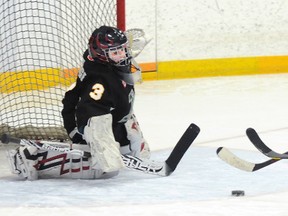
(76, 136)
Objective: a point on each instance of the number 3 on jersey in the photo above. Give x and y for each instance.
(97, 91)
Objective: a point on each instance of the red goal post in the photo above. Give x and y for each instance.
(121, 14)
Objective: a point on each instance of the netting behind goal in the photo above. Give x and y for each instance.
(42, 43)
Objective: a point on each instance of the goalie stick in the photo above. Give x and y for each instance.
(165, 168)
(262, 147)
(233, 160)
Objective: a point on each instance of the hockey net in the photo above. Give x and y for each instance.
(42, 43)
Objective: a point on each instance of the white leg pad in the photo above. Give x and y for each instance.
(21, 165)
(105, 151)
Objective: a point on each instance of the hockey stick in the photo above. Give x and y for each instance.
(233, 160)
(262, 147)
(165, 168)
(61, 147)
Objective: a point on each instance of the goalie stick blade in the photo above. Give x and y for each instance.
(233, 160)
(181, 147)
(262, 147)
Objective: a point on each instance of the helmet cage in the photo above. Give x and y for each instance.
(119, 55)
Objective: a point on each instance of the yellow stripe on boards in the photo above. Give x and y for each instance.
(50, 77)
(32, 80)
(219, 67)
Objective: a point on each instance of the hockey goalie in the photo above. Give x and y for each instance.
(97, 112)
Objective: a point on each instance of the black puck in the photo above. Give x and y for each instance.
(238, 193)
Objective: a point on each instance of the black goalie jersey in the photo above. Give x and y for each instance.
(98, 91)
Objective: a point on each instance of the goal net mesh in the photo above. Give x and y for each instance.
(42, 43)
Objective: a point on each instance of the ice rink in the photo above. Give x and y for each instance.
(223, 107)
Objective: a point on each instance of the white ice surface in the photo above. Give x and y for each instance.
(223, 108)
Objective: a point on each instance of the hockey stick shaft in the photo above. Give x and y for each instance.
(182, 145)
(46, 145)
(262, 147)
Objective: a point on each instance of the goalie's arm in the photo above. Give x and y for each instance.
(69, 102)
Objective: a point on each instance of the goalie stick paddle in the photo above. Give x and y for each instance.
(262, 147)
(181, 147)
(147, 166)
(233, 160)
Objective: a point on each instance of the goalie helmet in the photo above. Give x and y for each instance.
(109, 45)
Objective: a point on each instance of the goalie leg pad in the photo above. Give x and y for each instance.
(66, 166)
(105, 151)
(22, 162)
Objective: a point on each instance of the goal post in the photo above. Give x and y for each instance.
(42, 43)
